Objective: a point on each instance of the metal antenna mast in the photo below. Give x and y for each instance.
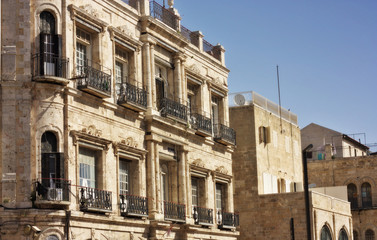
(281, 122)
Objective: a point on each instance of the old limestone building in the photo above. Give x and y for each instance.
(114, 124)
(359, 175)
(328, 143)
(268, 179)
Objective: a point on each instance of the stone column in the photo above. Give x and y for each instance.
(182, 178)
(219, 53)
(147, 73)
(151, 178)
(148, 62)
(177, 79)
(153, 81)
(144, 7)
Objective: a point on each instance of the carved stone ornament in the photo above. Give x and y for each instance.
(125, 30)
(222, 170)
(92, 130)
(195, 69)
(130, 142)
(199, 163)
(89, 9)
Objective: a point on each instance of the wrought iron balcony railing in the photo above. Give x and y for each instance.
(202, 124)
(52, 189)
(131, 205)
(132, 96)
(226, 220)
(164, 15)
(95, 200)
(94, 81)
(203, 216)
(224, 134)
(174, 212)
(49, 65)
(172, 108)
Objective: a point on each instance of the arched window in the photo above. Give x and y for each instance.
(47, 23)
(355, 235)
(48, 142)
(366, 195)
(325, 233)
(50, 46)
(343, 234)
(369, 234)
(352, 195)
(52, 160)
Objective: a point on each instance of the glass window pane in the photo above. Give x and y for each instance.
(123, 177)
(87, 159)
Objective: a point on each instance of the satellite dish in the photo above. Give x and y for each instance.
(239, 100)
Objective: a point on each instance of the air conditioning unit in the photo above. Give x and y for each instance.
(54, 194)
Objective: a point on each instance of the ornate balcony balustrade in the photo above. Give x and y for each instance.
(94, 81)
(202, 124)
(95, 200)
(164, 15)
(174, 212)
(53, 190)
(226, 220)
(224, 134)
(174, 109)
(49, 65)
(133, 97)
(203, 216)
(131, 205)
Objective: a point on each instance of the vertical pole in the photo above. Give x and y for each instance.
(277, 73)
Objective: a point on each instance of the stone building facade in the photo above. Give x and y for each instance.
(328, 143)
(114, 124)
(358, 174)
(269, 177)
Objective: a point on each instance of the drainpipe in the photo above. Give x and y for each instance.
(306, 190)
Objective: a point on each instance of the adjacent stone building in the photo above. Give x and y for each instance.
(358, 174)
(268, 177)
(328, 143)
(114, 124)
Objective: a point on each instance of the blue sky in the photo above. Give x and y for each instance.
(326, 51)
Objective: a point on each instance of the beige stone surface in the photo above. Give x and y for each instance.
(33, 103)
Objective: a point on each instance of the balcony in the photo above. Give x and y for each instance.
(174, 212)
(95, 200)
(203, 216)
(201, 124)
(226, 220)
(164, 15)
(50, 68)
(133, 97)
(224, 134)
(93, 81)
(174, 109)
(51, 191)
(133, 206)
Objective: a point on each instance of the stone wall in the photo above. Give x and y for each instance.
(344, 171)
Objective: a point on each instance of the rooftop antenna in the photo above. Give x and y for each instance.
(281, 122)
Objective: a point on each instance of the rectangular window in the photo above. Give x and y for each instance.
(219, 196)
(83, 44)
(118, 76)
(124, 177)
(88, 160)
(195, 191)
